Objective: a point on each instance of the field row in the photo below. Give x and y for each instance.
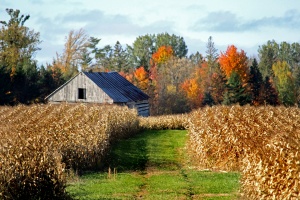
(263, 143)
(40, 143)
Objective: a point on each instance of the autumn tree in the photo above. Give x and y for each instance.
(196, 87)
(162, 55)
(73, 55)
(145, 46)
(234, 61)
(158, 82)
(167, 72)
(18, 45)
(141, 78)
(284, 83)
(171, 74)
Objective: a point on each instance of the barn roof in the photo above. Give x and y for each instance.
(116, 87)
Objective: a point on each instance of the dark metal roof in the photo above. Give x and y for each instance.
(116, 86)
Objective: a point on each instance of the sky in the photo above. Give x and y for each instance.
(243, 23)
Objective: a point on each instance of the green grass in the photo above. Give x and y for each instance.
(99, 186)
(153, 165)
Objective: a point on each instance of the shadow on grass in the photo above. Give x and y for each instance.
(128, 155)
(158, 149)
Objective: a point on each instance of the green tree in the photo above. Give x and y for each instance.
(176, 42)
(211, 55)
(120, 58)
(5, 86)
(284, 83)
(268, 93)
(142, 50)
(255, 82)
(196, 58)
(18, 44)
(144, 46)
(208, 99)
(236, 93)
(268, 55)
(47, 82)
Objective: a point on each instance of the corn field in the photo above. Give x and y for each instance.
(39, 143)
(263, 143)
(162, 122)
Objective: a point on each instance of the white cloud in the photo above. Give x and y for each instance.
(245, 24)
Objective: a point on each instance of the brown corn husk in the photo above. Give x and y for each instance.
(262, 143)
(38, 143)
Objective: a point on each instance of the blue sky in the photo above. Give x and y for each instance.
(246, 24)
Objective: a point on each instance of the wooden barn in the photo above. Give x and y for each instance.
(101, 87)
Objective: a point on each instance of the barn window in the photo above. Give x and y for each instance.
(81, 93)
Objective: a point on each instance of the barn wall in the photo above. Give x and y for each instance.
(141, 106)
(69, 92)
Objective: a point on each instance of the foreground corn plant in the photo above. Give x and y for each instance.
(39, 143)
(261, 142)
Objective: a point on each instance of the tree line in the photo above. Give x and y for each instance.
(156, 63)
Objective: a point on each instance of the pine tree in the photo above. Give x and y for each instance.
(255, 82)
(268, 93)
(236, 93)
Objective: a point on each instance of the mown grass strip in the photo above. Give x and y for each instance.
(152, 165)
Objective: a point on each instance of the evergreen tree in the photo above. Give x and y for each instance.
(119, 58)
(211, 55)
(268, 93)
(47, 83)
(236, 93)
(218, 85)
(208, 99)
(255, 82)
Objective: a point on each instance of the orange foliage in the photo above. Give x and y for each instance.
(195, 87)
(163, 54)
(232, 60)
(128, 76)
(141, 75)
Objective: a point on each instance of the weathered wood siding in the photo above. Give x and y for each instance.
(69, 92)
(141, 106)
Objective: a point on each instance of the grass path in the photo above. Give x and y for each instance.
(153, 165)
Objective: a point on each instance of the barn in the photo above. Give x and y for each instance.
(103, 88)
